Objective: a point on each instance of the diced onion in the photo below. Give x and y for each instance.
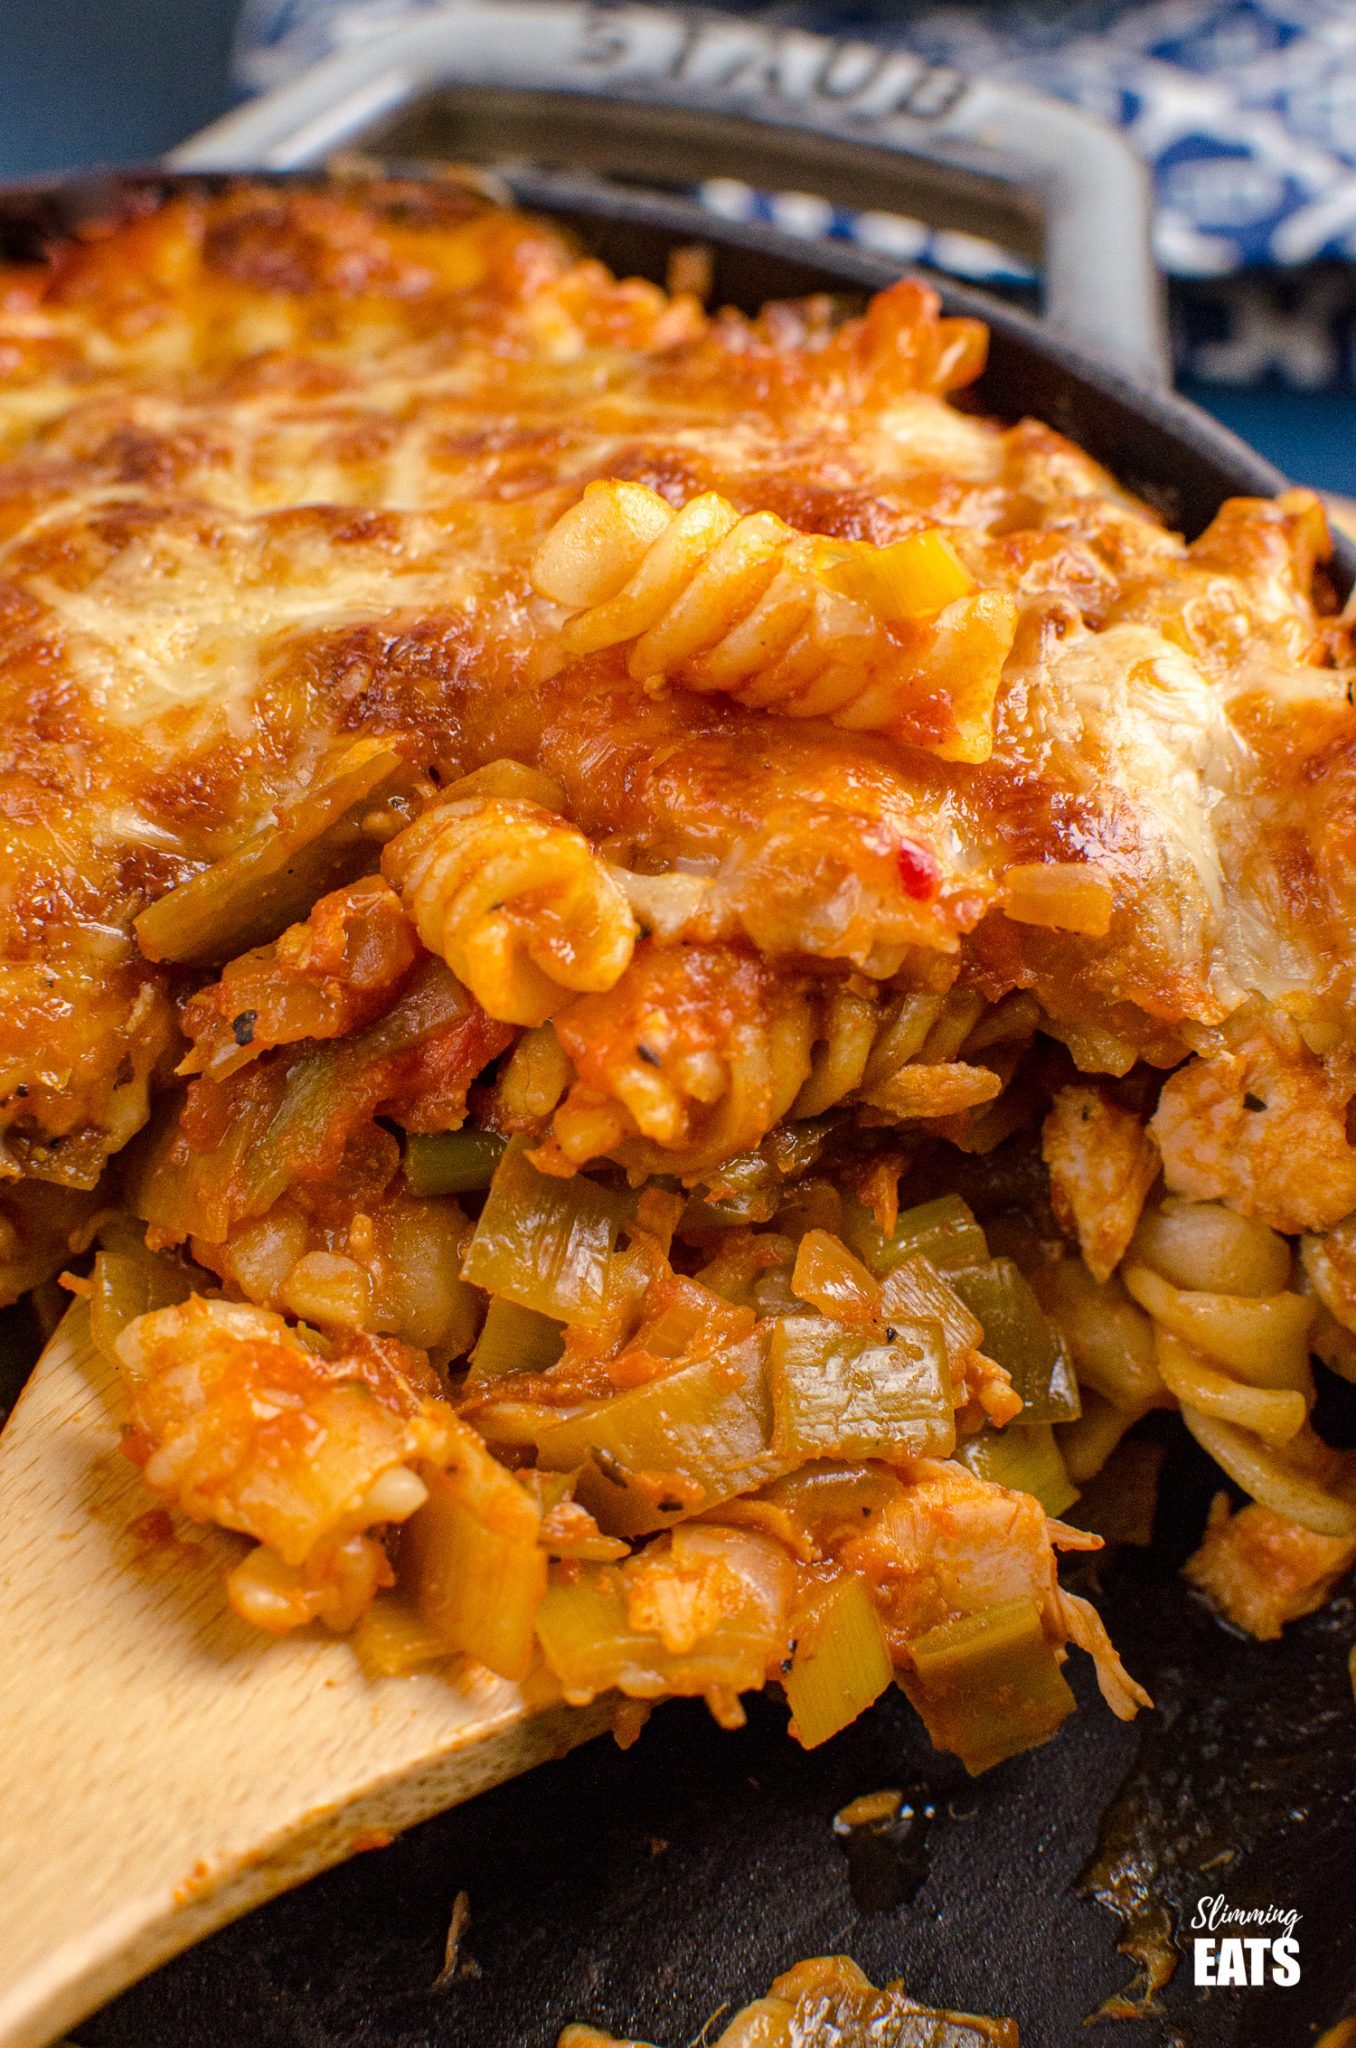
(828, 1276)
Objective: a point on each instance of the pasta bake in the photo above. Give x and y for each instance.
(655, 981)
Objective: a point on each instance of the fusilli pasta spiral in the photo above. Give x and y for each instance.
(899, 1054)
(698, 1053)
(1230, 1347)
(515, 900)
(888, 639)
(694, 1057)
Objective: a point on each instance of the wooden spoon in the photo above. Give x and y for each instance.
(163, 1767)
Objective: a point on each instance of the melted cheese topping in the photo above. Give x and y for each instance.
(276, 462)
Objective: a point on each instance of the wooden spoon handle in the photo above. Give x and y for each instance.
(163, 1767)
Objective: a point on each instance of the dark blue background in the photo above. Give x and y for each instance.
(117, 81)
(108, 81)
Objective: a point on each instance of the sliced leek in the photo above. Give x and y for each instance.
(989, 1684)
(843, 1393)
(944, 1231)
(1028, 1460)
(452, 1162)
(720, 1595)
(543, 1242)
(303, 849)
(685, 1441)
(839, 1662)
(915, 1288)
(123, 1287)
(514, 1339)
(1019, 1335)
(471, 1558)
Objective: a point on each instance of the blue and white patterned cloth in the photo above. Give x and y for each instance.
(1244, 109)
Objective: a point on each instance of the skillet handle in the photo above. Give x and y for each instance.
(671, 96)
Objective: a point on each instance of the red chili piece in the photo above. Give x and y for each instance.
(918, 871)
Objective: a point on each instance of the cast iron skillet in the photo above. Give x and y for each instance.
(643, 1890)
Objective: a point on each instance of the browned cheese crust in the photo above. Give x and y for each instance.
(277, 463)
